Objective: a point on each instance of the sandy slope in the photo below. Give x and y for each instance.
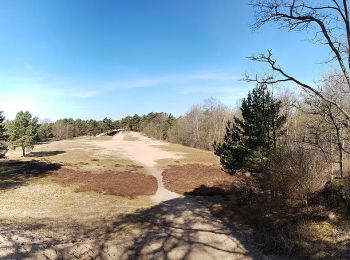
(137, 147)
(180, 228)
(95, 226)
(143, 150)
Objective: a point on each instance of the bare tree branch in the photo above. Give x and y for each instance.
(301, 15)
(286, 77)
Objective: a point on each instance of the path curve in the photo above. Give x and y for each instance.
(179, 227)
(144, 151)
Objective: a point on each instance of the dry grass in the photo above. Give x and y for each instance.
(289, 232)
(190, 156)
(130, 137)
(79, 154)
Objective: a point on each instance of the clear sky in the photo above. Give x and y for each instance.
(96, 59)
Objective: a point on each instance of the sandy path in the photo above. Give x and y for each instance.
(91, 227)
(142, 150)
(178, 227)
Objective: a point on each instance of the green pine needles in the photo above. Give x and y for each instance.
(249, 140)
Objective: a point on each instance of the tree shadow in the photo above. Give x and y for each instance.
(44, 153)
(204, 190)
(14, 173)
(280, 232)
(181, 228)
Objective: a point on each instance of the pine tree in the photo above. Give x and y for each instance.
(251, 139)
(3, 137)
(233, 153)
(23, 131)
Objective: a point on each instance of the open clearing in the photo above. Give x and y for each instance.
(104, 198)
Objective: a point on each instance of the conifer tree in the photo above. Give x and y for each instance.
(251, 139)
(23, 131)
(3, 137)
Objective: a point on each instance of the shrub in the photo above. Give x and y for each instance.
(3, 149)
(295, 174)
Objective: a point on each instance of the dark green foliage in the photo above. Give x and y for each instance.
(134, 123)
(80, 127)
(106, 124)
(153, 124)
(251, 139)
(3, 137)
(23, 131)
(93, 127)
(45, 132)
(262, 122)
(233, 154)
(166, 126)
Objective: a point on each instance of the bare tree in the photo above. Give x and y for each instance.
(328, 23)
(202, 125)
(295, 173)
(329, 125)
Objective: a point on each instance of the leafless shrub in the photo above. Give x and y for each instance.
(295, 174)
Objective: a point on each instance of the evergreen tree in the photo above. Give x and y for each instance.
(3, 137)
(80, 127)
(134, 123)
(251, 139)
(23, 131)
(106, 124)
(93, 127)
(45, 132)
(233, 152)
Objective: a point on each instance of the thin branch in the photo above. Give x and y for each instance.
(269, 60)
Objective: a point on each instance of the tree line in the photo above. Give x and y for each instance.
(266, 132)
(200, 127)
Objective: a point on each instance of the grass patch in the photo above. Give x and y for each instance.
(190, 156)
(337, 183)
(129, 137)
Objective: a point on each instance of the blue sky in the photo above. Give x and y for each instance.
(96, 59)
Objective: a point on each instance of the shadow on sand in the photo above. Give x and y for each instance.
(180, 228)
(15, 173)
(45, 153)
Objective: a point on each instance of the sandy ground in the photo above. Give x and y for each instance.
(42, 220)
(143, 150)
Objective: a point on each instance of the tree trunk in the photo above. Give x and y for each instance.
(340, 148)
(331, 156)
(341, 162)
(24, 151)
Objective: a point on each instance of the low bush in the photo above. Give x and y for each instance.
(293, 175)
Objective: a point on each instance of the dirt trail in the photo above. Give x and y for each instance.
(42, 220)
(178, 227)
(143, 150)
